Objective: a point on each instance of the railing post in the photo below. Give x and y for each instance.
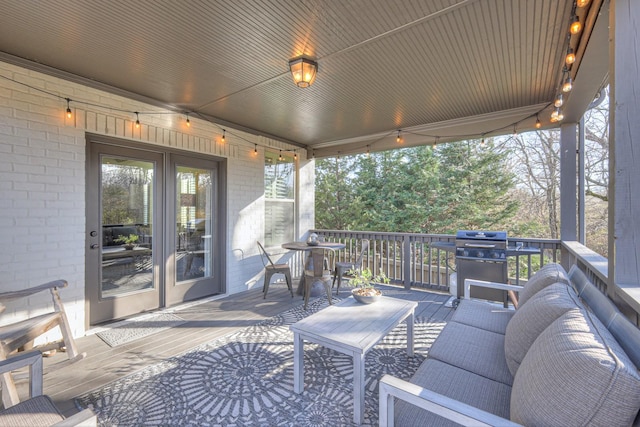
(406, 260)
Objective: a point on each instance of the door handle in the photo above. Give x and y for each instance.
(95, 246)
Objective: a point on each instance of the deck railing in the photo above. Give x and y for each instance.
(428, 260)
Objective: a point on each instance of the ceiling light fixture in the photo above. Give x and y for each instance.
(303, 71)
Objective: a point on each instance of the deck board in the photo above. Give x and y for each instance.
(206, 321)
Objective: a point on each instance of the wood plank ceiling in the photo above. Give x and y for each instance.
(439, 68)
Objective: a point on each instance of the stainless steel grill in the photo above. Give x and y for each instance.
(482, 255)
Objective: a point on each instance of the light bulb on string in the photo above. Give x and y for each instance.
(558, 101)
(576, 25)
(571, 57)
(224, 132)
(559, 114)
(483, 142)
(538, 122)
(515, 130)
(188, 121)
(69, 114)
(398, 139)
(295, 156)
(554, 116)
(255, 149)
(368, 152)
(568, 83)
(137, 120)
(280, 156)
(582, 3)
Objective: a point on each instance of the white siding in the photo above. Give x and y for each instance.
(42, 184)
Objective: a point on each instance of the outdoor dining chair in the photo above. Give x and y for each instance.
(342, 267)
(270, 268)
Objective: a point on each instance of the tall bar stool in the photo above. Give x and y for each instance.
(270, 268)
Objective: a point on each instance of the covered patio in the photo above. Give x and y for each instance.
(209, 322)
(209, 84)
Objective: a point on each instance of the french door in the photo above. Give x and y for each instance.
(152, 229)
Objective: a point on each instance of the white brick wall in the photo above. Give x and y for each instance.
(42, 185)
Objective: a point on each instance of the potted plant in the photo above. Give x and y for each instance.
(363, 280)
(129, 241)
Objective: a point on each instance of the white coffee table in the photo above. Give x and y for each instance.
(351, 328)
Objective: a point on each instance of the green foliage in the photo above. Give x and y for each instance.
(127, 240)
(415, 190)
(364, 278)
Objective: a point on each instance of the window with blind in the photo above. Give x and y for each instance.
(279, 195)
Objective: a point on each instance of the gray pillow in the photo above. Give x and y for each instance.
(547, 275)
(531, 319)
(576, 374)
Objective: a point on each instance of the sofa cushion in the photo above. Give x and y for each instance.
(456, 383)
(547, 275)
(531, 319)
(483, 315)
(472, 349)
(576, 374)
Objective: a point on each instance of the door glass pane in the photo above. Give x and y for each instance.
(127, 243)
(193, 223)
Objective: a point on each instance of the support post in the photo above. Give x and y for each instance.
(568, 181)
(624, 179)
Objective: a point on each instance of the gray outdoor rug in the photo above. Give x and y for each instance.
(134, 329)
(246, 379)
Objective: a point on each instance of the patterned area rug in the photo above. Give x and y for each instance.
(134, 329)
(246, 379)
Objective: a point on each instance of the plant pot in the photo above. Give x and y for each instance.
(373, 295)
(129, 247)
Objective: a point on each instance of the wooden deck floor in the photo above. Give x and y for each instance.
(206, 321)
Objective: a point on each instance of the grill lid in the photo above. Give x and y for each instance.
(500, 236)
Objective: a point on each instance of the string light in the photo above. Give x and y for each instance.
(582, 3)
(188, 121)
(68, 109)
(280, 156)
(570, 58)
(224, 132)
(568, 84)
(368, 151)
(483, 143)
(538, 122)
(559, 114)
(558, 101)
(515, 131)
(137, 120)
(398, 139)
(255, 149)
(576, 25)
(295, 155)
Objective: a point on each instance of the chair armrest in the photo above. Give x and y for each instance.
(32, 359)
(84, 418)
(391, 387)
(492, 285)
(11, 295)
